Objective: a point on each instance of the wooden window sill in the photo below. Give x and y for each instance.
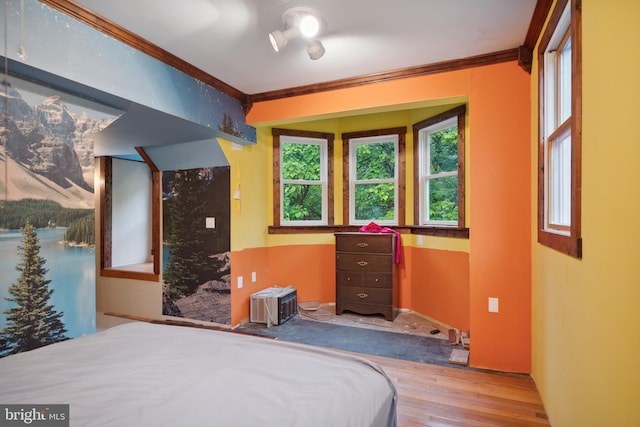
(454, 232)
(142, 271)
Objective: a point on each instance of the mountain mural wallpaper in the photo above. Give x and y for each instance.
(47, 247)
(197, 273)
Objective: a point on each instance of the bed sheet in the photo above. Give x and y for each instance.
(142, 374)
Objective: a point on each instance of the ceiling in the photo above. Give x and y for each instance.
(228, 39)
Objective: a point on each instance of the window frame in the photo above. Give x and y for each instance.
(323, 138)
(347, 172)
(458, 114)
(564, 22)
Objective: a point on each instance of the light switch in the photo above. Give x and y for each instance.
(210, 222)
(239, 282)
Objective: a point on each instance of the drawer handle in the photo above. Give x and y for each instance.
(363, 245)
(362, 263)
(363, 296)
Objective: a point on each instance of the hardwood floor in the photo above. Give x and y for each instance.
(437, 396)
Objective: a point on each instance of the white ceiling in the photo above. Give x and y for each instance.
(228, 38)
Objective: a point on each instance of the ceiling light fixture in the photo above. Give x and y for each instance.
(299, 22)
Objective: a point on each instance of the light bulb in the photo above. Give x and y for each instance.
(309, 26)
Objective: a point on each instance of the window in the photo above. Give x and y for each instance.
(559, 155)
(439, 178)
(303, 183)
(373, 176)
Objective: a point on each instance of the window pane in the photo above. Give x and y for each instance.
(443, 150)
(375, 161)
(302, 202)
(374, 201)
(442, 196)
(560, 181)
(564, 81)
(301, 161)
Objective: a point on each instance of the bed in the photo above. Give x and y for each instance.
(143, 374)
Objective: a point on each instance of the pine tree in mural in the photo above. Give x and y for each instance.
(227, 126)
(32, 322)
(190, 263)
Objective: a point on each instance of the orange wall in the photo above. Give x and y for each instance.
(327, 104)
(499, 213)
(243, 263)
(434, 283)
(440, 285)
(500, 239)
(309, 268)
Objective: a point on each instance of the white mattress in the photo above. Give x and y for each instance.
(141, 374)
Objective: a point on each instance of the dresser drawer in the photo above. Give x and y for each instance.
(367, 279)
(360, 242)
(362, 295)
(364, 262)
(349, 278)
(377, 280)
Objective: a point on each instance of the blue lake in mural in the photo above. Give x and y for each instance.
(70, 269)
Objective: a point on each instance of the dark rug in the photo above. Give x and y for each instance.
(360, 340)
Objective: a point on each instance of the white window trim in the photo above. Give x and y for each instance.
(323, 182)
(553, 127)
(353, 143)
(424, 174)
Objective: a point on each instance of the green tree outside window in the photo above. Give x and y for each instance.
(375, 187)
(442, 192)
(302, 181)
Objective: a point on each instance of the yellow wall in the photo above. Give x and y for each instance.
(585, 313)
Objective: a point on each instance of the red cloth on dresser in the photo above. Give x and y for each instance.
(372, 227)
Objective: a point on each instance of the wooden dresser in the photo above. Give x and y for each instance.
(366, 274)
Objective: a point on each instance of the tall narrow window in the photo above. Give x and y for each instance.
(559, 179)
(374, 176)
(440, 169)
(302, 185)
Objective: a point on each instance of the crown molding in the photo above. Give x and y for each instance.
(439, 67)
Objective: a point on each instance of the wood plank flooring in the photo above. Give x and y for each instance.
(437, 396)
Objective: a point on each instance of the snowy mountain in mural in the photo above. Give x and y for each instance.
(50, 150)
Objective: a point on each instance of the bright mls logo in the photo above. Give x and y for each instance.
(34, 415)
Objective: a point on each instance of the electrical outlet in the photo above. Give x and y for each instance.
(419, 240)
(210, 222)
(253, 277)
(494, 305)
(239, 282)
